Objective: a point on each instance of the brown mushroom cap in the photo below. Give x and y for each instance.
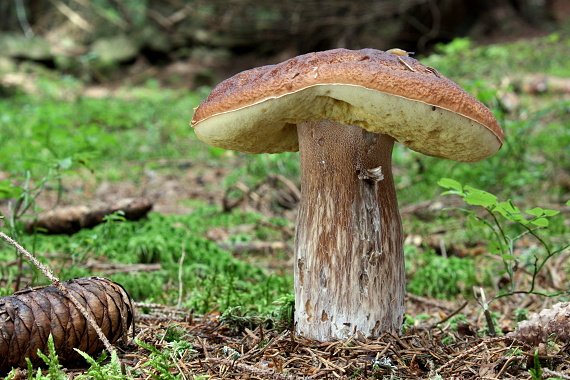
(257, 111)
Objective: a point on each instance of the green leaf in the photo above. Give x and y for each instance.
(568, 203)
(508, 257)
(477, 222)
(509, 207)
(548, 212)
(478, 197)
(449, 183)
(65, 163)
(7, 190)
(510, 211)
(495, 247)
(537, 211)
(541, 222)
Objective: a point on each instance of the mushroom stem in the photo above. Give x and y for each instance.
(349, 262)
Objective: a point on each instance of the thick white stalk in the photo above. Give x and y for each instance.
(349, 263)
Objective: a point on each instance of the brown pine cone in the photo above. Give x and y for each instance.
(548, 324)
(28, 317)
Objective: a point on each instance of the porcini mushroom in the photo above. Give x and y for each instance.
(343, 110)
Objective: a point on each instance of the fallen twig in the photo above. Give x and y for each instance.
(69, 220)
(448, 316)
(552, 373)
(262, 373)
(464, 354)
(113, 268)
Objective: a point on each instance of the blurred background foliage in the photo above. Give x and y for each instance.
(217, 38)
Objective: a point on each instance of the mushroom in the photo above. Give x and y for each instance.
(343, 110)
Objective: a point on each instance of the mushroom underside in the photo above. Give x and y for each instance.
(269, 126)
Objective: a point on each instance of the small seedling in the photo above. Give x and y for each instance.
(521, 314)
(502, 213)
(536, 371)
(55, 371)
(286, 309)
(98, 371)
(238, 320)
(174, 333)
(161, 363)
(181, 348)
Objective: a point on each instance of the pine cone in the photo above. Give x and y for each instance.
(553, 322)
(28, 317)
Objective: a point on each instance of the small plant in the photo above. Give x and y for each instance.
(286, 309)
(382, 365)
(23, 196)
(238, 320)
(443, 277)
(99, 371)
(521, 314)
(175, 336)
(55, 371)
(413, 321)
(536, 371)
(231, 353)
(529, 223)
(181, 348)
(25, 193)
(161, 363)
(174, 333)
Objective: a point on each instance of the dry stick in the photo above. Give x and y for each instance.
(511, 358)
(73, 16)
(103, 13)
(467, 353)
(450, 315)
(263, 373)
(180, 283)
(428, 302)
(461, 356)
(114, 268)
(550, 372)
(55, 281)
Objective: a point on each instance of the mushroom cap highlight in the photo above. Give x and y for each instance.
(256, 111)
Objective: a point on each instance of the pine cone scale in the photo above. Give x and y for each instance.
(28, 317)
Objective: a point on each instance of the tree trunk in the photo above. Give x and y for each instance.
(349, 264)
